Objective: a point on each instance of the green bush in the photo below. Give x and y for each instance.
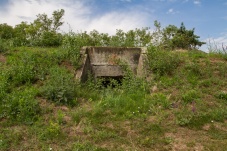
(23, 73)
(22, 106)
(22, 68)
(60, 86)
(51, 39)
(28, 65)
(72, 44)
(5, 45)
(162, 62)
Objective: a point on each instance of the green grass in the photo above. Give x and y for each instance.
(43, 107)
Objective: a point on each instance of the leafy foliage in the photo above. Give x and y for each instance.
(6, 31)
(60, 87)
(21, 106)
(172, 37)
(20, 34)
(162, 62)
(42, 32)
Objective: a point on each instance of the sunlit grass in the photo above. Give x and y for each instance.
(44, 107)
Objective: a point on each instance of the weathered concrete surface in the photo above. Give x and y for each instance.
(104, 61)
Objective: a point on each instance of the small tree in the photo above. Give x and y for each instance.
(44, 30)
(6, 34)
(6, 31)
(186, 39)
(20, 38)
(172, 37)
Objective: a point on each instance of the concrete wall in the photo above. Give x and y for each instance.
(104, 61)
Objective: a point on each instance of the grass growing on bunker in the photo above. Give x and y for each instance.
(180, 106)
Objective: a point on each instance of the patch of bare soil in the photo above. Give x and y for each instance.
(77, 130)
(181, 50)
(68, 66)
(85, 104)
(186, 139)
(220, 126)
(2, 58)
(216, 60)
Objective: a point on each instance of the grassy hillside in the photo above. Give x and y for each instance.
(180, 105)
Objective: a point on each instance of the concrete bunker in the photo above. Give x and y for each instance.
(103, 62)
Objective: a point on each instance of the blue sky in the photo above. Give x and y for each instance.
(208, 17)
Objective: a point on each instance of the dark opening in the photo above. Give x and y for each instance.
(111, 81)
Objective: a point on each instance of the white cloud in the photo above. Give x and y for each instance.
(117, 20)
(172, 11)
(26, 10)
(79, 14)
(197, 2)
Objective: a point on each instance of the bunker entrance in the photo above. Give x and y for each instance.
(106, 63)
(111, 81)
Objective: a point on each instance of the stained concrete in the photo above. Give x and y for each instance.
(104, 61)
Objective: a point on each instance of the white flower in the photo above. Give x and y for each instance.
(50, 148)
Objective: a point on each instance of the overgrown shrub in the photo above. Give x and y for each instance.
(60, 86)
(21, 106)
(28, 66)
(5, 45)
(72, 44)
(51, 39)
(22, 68)
(162, 62)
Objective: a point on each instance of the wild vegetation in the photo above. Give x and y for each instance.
(180, 105)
